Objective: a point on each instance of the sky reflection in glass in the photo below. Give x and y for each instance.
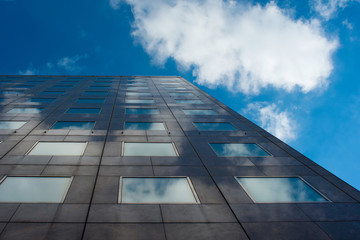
(279, 189)
(91, 100)
(142, 111)
(199, 112)
(34, 189)
(23, 86)
(156, 190)
(144, 126)
(139, 101)
(84, 110)
(149, 149)
(179, 94)
(59, 148)
(103, 93)
(238, 150)
(74, 125)
(11, 124)
(214, 126)
(41, 100)
(53, 92)
(137, 88)
(11, 92)
(25, 110)
(188, 101)
(138, 94)
(99, 87)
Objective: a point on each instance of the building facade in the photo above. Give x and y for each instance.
(124, 157)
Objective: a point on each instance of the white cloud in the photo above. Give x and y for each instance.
(70, 63)
(328, 8)
(347, 24)
(115, 3)
(270, 117)
(243, 47)
(30, 70)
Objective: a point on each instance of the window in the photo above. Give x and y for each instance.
(138, 94)
(34, 189)
(2, 99)
(53, 92)
(175, 88)
(142, 111)
(74, 125)
(202, 126)
(102, 93)
(149, 149)
(45, 100)
(10, 92)
(279, 189)
(139, 101)
(91, 100)
(136, 84)
(156, 190)
(84, 110)
(11, 124)
(238, 150)
(137, 88)
(25, 110)
(23, 86)
(144, 126)
(99, 87)
(199, 112)
(35, 82)
(178, 94)
(62, 86)
(189, 101)
(59, 148)
(103, 82)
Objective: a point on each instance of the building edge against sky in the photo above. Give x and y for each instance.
(149, 157)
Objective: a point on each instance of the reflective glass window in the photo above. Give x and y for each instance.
(41, 100)
(53, 92)
(178, 94)
(137, 88)
(11, 124)
(188, 101)
(279, 189)
(202, 126)
(59, 148)
(103, 82)
(10, 92)
(144, 126)
(23, 86)
(2, 99)
(238, 150)
(25, 110)
(74, 125)
(84, 110)
(63, 86)
(156, 190)
(99, 87)
(138, 94)
(139, 101)
(34, 189)
(199, 112)
(142, 111)
(149, 149)
(91, 100)
(102, 93)
(175, 88)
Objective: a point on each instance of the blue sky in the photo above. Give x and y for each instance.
(289, 66)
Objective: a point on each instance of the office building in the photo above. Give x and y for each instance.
(124, 157)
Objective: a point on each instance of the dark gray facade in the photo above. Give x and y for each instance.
(95, 205)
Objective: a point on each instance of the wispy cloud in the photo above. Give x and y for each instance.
(243, 47)
(347, 24)
(30, 70)
(70, 64)
(329, 8)
(270, 117)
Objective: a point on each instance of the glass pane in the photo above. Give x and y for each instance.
(215, 126)
(188, 101)
(74, 125)
(139, 101)
(175, 88)
(138, 94)
(136, 84)
(137, 88)
(34, 189)
(99, 87)
(84, 110)
(62, 86)
(53, 92)
(142, 111)
(2, 99)
(95, 93)
(144, 126)
(59, 148)
(103, 82)
(156, 190)
(238, 150)
(177, 94)
(25, 110)
(11, 92)
(23, 86)
(269, 189)
(41, 99)
(199, 112)
(149, 149)
(11, 124)
(91, 100)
